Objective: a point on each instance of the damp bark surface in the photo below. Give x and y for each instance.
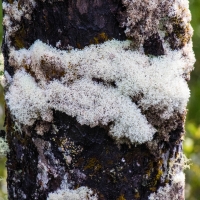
(37, 163)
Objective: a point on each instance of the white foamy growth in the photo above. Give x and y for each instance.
(13, 12)
(65, 193)
(146, 17)
(82, 193)
(3, 147)
(159, 81)
(173, 191)
(91, 103)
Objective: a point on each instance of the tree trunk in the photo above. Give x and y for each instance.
(60, 146)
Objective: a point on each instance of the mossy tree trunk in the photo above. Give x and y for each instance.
(90, 157)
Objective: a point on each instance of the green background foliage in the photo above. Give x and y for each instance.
(192, 138)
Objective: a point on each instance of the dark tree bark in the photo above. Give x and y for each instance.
(36, 163)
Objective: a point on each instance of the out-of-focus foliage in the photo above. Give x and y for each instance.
(192, 138)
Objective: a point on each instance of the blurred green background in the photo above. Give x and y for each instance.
(192, 138)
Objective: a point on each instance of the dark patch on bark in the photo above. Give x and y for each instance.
(21, 164)
(164, 126)
(5, 51)
(153, 46)
(73, 23)
(106, 83)
(2, 133)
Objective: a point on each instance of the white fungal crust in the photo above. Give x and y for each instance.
(146, 17)
(81, 193)
(89, 102)
(65, 192)
(99, 85)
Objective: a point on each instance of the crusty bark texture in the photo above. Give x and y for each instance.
(48, 154)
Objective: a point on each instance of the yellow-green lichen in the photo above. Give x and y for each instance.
(19, 43)
(100, 38)
(182, 33)
(121, 197)
(10, 1)
(137, 195)
(93, 163)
